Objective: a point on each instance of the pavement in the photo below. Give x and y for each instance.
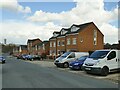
(44, 74)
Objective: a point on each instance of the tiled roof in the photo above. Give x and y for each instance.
(52, 38)
(41, 43)
(56, 32)
(32, 40)
(81, 27)
(45, 41)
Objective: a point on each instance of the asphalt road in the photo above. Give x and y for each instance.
(20, 74)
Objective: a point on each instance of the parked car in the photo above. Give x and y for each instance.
(33, 57)
(66, 58)
(19, 56)
(102, 62)
(29, 57)
(77, 64)
(23, 56)
(2, 59)
(36, 57)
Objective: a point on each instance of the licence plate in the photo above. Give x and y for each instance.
(87, 68)
(70, 66)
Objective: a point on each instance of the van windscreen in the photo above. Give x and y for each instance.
(98, 54)
(65, 54)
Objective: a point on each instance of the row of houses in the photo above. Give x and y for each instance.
(33, 47)
(83, 38)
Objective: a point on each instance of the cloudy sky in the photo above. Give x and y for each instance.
(20, 20)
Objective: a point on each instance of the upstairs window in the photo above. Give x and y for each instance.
(54, 44)
(63, 32)
(74, 28)
(55, 34)
(43, 46)
(74, 41)
(50, 44)
(58, 43)
(95, 37)
(63, 42)
(36, 47)
(68, 41)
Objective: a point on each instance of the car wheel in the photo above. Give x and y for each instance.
(66, 65)
(3, 62)
(104, 71)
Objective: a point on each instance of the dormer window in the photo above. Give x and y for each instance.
(55, 34)
(63, 32)
(74, 28)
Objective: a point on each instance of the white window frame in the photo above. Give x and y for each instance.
(95, 37)
(50, 44)
(68, 41)
(74, 41)
(43, 46)
(54, 44)
(58, 43)
(36, 47)
(74, 28)
(63, 43)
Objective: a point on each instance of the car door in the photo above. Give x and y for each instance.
(112, 60)
(71, 57)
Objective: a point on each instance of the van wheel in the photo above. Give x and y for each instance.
(66, 65)
(104, 71)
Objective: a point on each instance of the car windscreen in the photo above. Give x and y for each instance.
(65, 54)
(82, 58)
(98, 54)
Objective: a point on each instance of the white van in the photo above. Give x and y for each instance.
(66, 58)
(102, 62)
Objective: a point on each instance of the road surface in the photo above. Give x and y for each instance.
(20, 74)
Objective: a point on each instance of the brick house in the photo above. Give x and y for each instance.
(83, 38)
(52, 43)
(31, 45)
(42, 48)
(23, 49)
(46, 47)
(20, 49)
(61, 41)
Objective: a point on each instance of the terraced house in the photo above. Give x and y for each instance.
(20, 49)
(31, 45)
(37, 47)
(52, 42)
(83, 38)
